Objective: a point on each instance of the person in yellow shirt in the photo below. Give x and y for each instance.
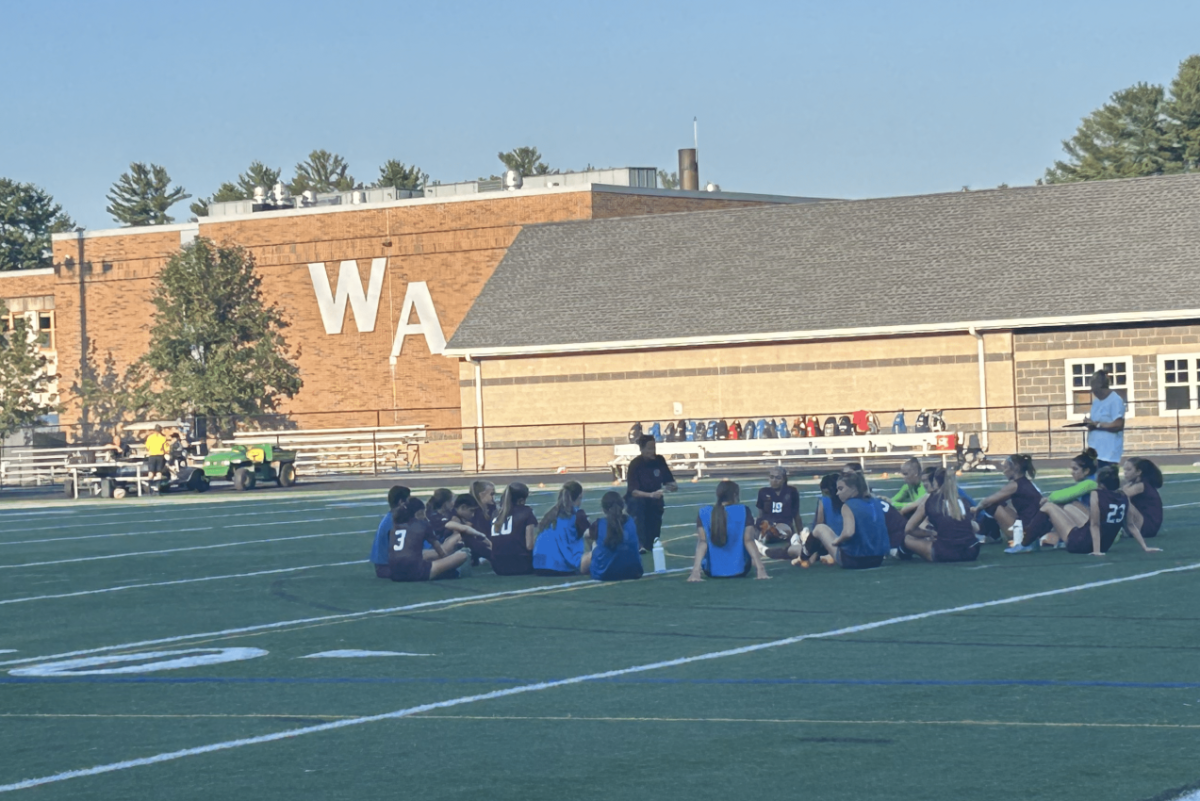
(156, 453)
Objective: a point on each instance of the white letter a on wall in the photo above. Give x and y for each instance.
(416, 297)
(349, 288)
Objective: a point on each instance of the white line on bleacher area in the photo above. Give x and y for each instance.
(180, 550)
(549, 685)
(177, 581)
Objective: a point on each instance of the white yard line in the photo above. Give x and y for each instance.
(177, 581)
(170, 756)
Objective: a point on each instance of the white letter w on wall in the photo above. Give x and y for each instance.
(349, 288)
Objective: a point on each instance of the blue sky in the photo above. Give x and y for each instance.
(848, 99)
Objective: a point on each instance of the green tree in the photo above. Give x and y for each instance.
(257, 174)
(1182, 111)
(397, 174)
(322, 172)
(669, 180)
(108, 396)
(216, 347)
(25, 382)
(28, 216)
(143, 195)
(1127, 137)
(526, 161)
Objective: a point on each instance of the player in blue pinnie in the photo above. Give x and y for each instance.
(615, 555)
(559, 550)
(725, 538)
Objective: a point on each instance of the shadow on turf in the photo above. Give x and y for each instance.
(1179, 793)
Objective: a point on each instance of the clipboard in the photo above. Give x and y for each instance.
(1075, 425)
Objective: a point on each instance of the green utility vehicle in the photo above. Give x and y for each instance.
(247, 465)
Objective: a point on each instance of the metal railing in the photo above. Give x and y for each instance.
(370, 442)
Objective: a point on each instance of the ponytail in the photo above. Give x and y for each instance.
(947, 482)
(1024, 463)
(480, 487)
(727, 493)
(613, 506)
(829, 489)
(514, 494)
(568, 496)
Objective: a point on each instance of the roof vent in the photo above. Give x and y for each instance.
(512, 180)
(711, 187)
(260, 194)
(281, 195)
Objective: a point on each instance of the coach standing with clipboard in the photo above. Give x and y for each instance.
(648, 478)
(1106, 421)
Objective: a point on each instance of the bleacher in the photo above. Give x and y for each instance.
(324, 451)
(702, 456)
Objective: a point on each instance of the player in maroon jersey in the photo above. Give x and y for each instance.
(1095, 531)
(514, 533)
(1142, 482)
(778, 508)
(950, 536)
(406, 543)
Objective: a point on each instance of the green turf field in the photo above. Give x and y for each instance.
(1044, 675)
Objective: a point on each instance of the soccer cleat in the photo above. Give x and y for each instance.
(1022, 548)
(464, 570)
(762, 548)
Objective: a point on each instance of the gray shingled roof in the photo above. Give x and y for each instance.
(1013, 254)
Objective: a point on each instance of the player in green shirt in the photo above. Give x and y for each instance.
(913, 490)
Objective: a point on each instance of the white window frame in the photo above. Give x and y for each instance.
(1069, 390)
(1193, 384)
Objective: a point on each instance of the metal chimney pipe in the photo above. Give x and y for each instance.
(689, 170)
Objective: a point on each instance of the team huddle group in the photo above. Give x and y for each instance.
(930, 517)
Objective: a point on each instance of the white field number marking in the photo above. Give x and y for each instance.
(162, 660)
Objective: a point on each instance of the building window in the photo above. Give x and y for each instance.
(40, 325)
(1079, 373)
(1179, 383)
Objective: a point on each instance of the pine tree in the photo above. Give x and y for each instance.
(322, 172)
(216, 347)
(256, 175)
(143, 195)
(669, 180)
(397, 174)
(25, 384)
(526, 161)
(28, 216)
(1183, 112)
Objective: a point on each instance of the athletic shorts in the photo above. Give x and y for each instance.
(383, 571)
(1148, 532)
(410, 570)
(1080, 540)
(852, 562)
(953, 552)
(1037, 528)
(156, 464)
(743, 574)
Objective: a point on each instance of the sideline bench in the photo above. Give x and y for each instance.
(702, 456)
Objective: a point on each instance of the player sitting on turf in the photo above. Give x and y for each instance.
(463, 522)
(893, 520)
(863, 541)
(484, 493)
(1096, 530)
(1083, 472)
(804, 547)
(950, 535)
(778, 507)
(913, 490)
(439, 511)
(514, 533)
(614, 540)
(406, 542)
(559, 550)
(1143, 480)
(1019, 499)
(379, 548)
(725, 541)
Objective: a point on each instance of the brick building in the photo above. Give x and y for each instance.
(587, 304)
(995, 305)
(408, 268)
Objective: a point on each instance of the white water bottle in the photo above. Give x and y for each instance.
(660, 556)
(1018, 532)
